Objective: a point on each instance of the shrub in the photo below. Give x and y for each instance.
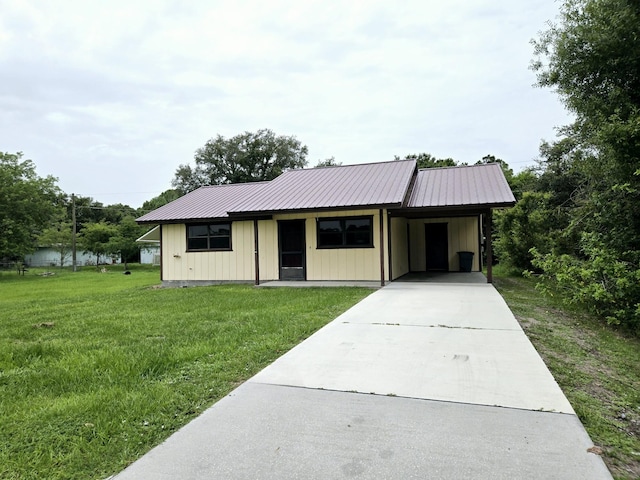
(603, 281)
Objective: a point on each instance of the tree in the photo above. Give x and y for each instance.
(248, 157)
(116, 212)
(27, 202)
(124, 242)
(87, 211)
(591, 57)
(426, 160)
(329, 162)
(156, 202)
(508, 172)
(96, 238)
(58, 237)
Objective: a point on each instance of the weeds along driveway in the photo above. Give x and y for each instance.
(415, 381)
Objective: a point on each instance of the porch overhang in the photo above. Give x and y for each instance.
(447, 211)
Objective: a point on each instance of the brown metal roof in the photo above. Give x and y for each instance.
(204, 203)
(460, 186)
(372, 184)
(387, 184)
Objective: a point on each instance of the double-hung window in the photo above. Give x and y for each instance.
(345, 232)
(208, 237)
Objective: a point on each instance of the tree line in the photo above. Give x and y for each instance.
(36, 212)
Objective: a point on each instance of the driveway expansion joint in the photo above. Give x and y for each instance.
(408, 397)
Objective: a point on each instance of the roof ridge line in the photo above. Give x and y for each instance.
(351, 165)
(231, 184)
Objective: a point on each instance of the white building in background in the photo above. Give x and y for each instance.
(150, 249)
(49, 257)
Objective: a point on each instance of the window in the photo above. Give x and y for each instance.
(214, 236)
(347, 232)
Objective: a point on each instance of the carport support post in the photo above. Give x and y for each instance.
(489, 234)
(381, 248)
(74, 262)
(256, 254)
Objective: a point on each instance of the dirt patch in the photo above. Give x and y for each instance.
(44, 325)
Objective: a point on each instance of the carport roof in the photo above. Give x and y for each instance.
(461, 186)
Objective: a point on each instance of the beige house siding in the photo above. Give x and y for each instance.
(399, 253)
(324, 264)
(235, 265)
(463, 236)
(321, 264)
(268, 249)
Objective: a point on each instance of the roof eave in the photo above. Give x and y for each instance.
(342, 208)
(236, 218)
(473, 209)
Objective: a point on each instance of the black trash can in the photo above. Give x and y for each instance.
(466, 261)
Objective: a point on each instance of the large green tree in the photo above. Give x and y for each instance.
(591, 57)
(27, 202)
(97, 238)
(124, 241)
(248, 157)
(156, 202)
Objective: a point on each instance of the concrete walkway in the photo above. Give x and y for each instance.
(417, 381)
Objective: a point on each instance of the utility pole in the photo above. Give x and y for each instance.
(73, 231)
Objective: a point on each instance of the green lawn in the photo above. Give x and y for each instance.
(597, 368)
(97, 368)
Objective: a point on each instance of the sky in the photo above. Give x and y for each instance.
(112, 96)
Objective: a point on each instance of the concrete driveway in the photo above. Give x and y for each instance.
(419, 380)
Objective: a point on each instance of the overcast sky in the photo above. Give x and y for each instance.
(111, 96)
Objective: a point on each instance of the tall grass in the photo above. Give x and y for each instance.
(95, 369)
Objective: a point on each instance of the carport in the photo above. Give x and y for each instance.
(448, 215)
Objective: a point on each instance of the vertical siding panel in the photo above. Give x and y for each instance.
(310, 242)
(230, 258)
(399, 247)
(268, 246)
(169, 249)
(246, 258)
(175, 256)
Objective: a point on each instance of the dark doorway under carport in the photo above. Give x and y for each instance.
(437, 246)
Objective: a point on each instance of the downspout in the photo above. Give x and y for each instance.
(480, 243)
(161, 262)
(389, 255)
(256, 254)
(408, 247)
(489, 248)
(381, 249)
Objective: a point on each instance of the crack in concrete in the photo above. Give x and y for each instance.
(389, 324)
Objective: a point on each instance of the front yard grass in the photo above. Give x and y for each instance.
(597, 368)
(97, 368)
